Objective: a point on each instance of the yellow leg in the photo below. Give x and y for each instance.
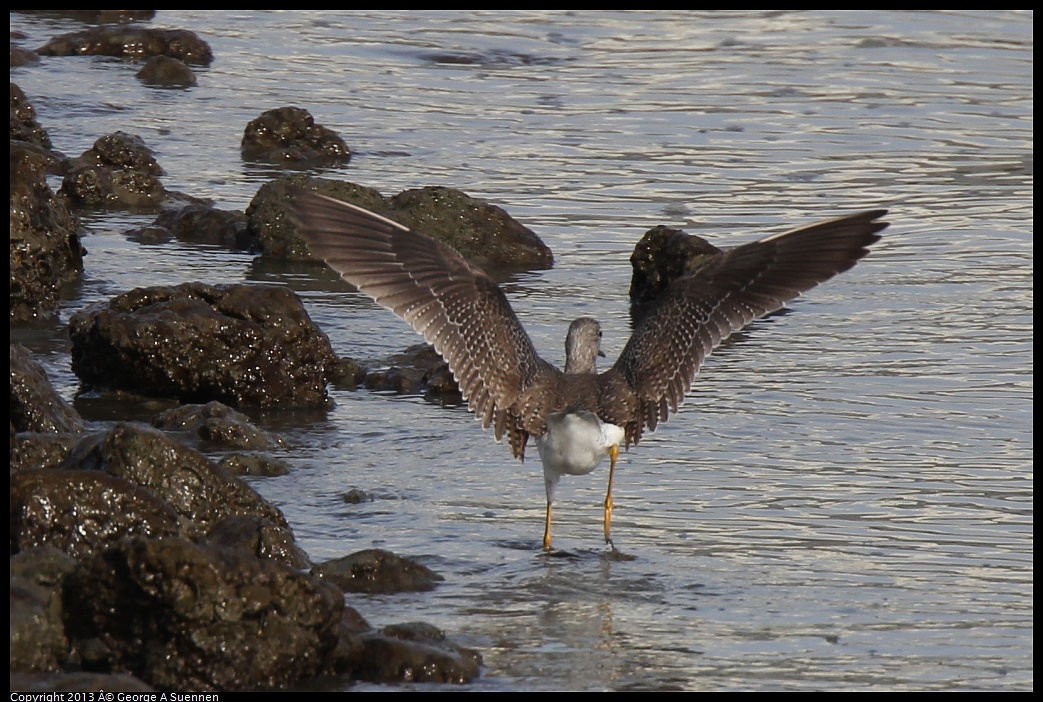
(546, 530)
(613, 454)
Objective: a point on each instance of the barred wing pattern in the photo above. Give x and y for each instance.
(455, 306)
(704, 307)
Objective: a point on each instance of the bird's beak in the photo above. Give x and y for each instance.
(601, 353)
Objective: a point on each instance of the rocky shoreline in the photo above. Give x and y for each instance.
(138, 561)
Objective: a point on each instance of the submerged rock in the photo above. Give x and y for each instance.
(166, 72)
(415, 652)
(217, 424)
(378, 571)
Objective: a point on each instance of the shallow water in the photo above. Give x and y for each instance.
(844, 502)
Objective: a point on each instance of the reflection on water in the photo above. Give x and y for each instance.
(846, 499)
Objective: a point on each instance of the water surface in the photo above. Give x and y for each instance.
(844, 502)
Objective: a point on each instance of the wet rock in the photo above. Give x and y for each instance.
(45, 245)
(404, 381)
(290, 135)
(378, 571)
(217, 424)
(417, 369)
(415, 652)
(347, 374)
(20, 56)
(131, 41)
(255, 464)
(118, 172)
(202, 224)
(82, 512)
(483, 233)
(32, 451)
(183, 616)
(662, 256)
(238, 344)
(261, 537)
(166, 72)
(349, 649)
(77, 682)
(24, 126)
(35, 405)
(199, 491)
(122, 150)
(38, 641)
(356, 496)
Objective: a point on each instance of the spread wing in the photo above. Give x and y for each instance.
(700, 309)
(454, 305)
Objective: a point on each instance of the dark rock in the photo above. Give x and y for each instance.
(261, 537)
(415, 652)
(21, 57)
(378, 571)
(76, 682)
(417, 369)
(35, 405)
(238, 344)
(24, 126)
(32, 451)
(255, 464)
(166, 72)
(217, 424)
(38, 641)
(483, 233)
(276, 235)
(82, 512)
(204, 224)
(404, 381)
(91, 186)
(289, 135)
(347, 374)
(355, 496)
(118, 172)
(44, 566)
(183, 616)
(661, 257)
(45, 246)
(131, 41)
(201, 493)
(122, 150)
(150, 234)
(50, 161)
(349, 649)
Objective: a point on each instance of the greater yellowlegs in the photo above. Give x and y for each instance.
(577, 416)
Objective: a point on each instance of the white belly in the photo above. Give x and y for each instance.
(575, 443)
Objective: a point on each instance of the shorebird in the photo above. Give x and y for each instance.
(577, 416)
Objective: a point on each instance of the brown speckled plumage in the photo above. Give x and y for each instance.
(577, 416)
